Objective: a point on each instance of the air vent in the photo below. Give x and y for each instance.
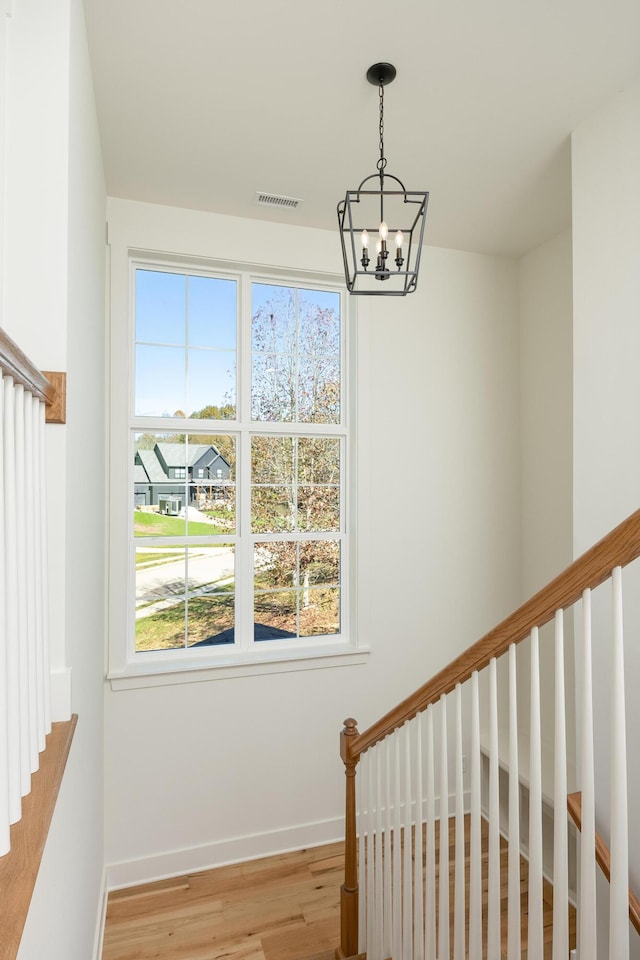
(272, 200)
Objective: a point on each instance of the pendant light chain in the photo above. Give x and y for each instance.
(382, 162)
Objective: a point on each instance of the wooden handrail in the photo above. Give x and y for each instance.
(618, 548)
(14, 363)
(603, 857)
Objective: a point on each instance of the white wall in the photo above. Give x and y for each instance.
(35, 267)
(606, 425)
(546, 398)
(606, 280)
(54, 309)
(206, 772)
(546, 451)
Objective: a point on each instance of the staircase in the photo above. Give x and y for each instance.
(547, 892)
(455, 749)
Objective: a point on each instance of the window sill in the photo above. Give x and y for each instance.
(19, 868)
(158, 674)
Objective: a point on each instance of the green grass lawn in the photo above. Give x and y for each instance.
(158, 525)
(164, 630)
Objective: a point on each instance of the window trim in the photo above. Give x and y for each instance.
(125, 667)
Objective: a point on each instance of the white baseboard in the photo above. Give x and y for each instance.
(98, 942)
(173, 863)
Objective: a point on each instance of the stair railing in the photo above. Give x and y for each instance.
(33, 750)
(603, 856)
(404, 896)
(24, 672)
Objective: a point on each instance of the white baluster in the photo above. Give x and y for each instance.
(379, 872)
(418, 911)
(12, 622)
(443, 888)
(30, 583)
(388, 884)
(535, 912)
(39, 493)
(44, 575)
(514, 907)
(459, 922)
(21, 563)
(397, 849)
(619, 893)
(430, 901)
(371, 856)
(5, 842)
(475, 856)
(493, 922)
(560, 839)
(407, 897)
(587, 930)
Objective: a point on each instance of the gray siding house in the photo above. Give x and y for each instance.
(172, 475)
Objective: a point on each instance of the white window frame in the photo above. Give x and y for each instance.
(126, 668)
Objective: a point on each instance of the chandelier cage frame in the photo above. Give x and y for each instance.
(383, 213)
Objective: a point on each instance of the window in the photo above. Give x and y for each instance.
(238, 431)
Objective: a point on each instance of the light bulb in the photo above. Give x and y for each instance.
(384, 231)
(399, 239)
(364, 239)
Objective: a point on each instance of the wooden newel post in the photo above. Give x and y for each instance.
(349, 890)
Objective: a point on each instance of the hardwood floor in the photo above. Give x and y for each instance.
(280, 908)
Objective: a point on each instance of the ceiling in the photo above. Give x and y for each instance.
(201, 103)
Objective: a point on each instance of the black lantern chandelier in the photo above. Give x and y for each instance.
(375, 218)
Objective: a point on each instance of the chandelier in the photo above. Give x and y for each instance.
(382, 223)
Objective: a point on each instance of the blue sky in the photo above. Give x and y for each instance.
(185, 342)
(186, 329)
